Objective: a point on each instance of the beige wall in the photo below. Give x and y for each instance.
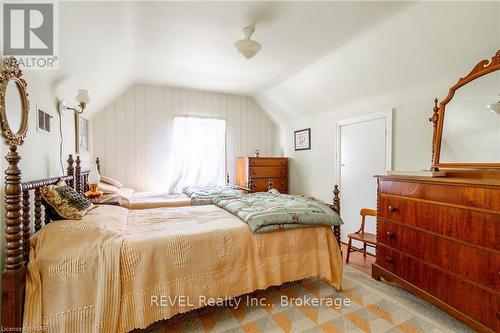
(312, 172)
(132, 134)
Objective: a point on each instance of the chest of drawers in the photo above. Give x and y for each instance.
(260, 170)
(440, 239)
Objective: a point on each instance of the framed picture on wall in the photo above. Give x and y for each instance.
(303, 139)
(81, 134)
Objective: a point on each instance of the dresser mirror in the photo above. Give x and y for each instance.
(471, 129)
(468, 120)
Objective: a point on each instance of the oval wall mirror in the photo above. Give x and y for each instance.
(14, 104)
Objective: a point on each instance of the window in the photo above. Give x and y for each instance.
(198, 152)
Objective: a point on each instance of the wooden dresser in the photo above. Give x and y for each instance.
(440, 239)
(259, 170)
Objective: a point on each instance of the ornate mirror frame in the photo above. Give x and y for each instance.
(482, 68)
(11, 72)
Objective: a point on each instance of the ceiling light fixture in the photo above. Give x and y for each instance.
(247, 47)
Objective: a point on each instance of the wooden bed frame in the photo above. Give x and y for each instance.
(18, 230)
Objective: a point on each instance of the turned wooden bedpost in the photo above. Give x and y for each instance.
(98, 164)
(13, 232)
(269, 184)
(38, 209)
(336, 199)
(336, 208)
(13, 275)
(250, 184)
(434, 120)
(78, 176)
(70, 171)
(26, 225)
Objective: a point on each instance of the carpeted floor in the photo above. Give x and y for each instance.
(374, 307)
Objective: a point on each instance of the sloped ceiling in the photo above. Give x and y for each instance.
(420, 51)
(315, 56)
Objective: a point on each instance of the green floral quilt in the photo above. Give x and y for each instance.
(270, 211)
(204, 194)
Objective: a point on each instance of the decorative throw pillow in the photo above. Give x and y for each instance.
(108, 189)
(62, 208)
(75, 198)
(51, 213)
(111, 181)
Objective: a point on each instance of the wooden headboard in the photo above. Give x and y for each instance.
(75, 178)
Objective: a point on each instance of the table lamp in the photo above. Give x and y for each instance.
(93, 180)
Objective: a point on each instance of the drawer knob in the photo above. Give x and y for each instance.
(389, 259)
(392, 209)
(390, 234)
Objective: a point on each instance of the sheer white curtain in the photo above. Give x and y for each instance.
(198, 153)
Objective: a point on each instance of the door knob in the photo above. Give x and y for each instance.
(390, 234)
(392, 209)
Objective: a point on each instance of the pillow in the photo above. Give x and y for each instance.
(108, 189)
(110, 198)
(111, 181)
(74, 198)
(60, 207)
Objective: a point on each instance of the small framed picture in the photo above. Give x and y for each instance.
(303, 139)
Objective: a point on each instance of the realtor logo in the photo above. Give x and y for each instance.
(29, 34)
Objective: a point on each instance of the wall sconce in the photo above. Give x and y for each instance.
(82, 98)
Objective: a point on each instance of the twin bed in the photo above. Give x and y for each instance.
(131, 199)
(107, 271)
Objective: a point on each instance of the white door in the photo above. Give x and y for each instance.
(365, 149)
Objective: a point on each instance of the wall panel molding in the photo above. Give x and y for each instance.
(131, 135)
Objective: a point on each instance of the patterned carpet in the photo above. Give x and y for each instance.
(365, 306)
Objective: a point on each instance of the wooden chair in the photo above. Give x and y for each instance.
(366, 238)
